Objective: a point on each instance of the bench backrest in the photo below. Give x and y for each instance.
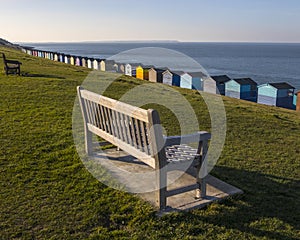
(134, 130)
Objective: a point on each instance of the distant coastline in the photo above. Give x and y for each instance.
(273, 62)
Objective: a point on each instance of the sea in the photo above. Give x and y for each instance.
(263, 62)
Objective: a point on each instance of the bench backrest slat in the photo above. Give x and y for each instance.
(124, 125)
(120, 107)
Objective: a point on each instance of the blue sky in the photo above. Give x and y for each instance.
(183, 20)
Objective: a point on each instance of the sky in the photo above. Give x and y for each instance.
(126, 20)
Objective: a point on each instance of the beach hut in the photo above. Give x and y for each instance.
(155, 75)
(90, 62)
(242, 88)
(56, 57)
(83, 62)
(276, 94)
(28, 51)
(176, 78)
(142, 72)
(72, 60)
(107, 65)
(67, 59)
(192, 80)
(215, 84)
(78, 61)
(116, 67)
(298, 102)
(121, 68)
(167, 77)
(139, 72)
(294, 101)
(96, 64)
(51, 56)
(61, 57)
(130, 69)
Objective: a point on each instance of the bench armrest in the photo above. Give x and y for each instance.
(195, 137)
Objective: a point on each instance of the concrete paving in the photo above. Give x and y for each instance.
(136, 177)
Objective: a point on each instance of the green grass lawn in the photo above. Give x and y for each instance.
(46, 192)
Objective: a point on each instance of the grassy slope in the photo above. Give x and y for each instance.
(46, 191)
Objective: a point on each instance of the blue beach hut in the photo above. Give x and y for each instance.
(295, 101)
(215, 84)
(192, 80)
(276, 94)
(242, 88)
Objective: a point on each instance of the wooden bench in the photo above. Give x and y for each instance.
(138, 132)
(11, 66)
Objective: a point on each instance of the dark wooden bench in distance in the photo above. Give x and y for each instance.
(138, 132)
(11, 66)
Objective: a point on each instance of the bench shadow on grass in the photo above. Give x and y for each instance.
(42, 75)
(266, 199)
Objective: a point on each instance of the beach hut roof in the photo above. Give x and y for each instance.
(99, 59)
(133, 64)
(159, 70)
(146, 66)
(178, 72)
(108, 61)
(196, 74)
(221, 78)
(282, 85)
(123, 63)
(245, 81)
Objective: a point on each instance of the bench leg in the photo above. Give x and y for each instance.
(202, 172)
(161, 198)
(88, 142)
